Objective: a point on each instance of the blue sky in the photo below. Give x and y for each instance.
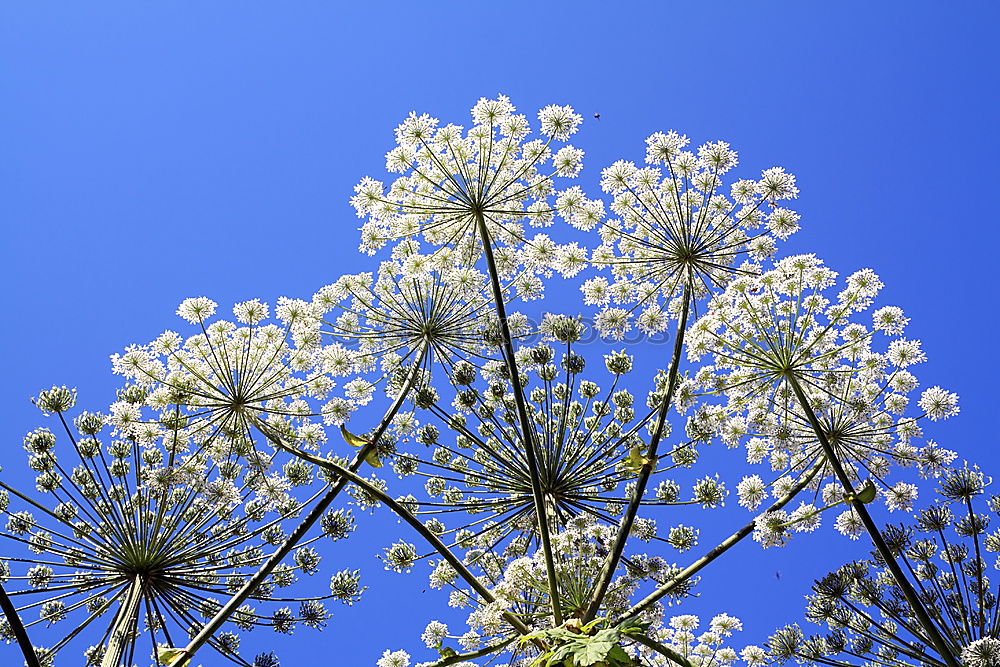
(155, 151)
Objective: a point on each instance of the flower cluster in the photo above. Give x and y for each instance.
(460, 187)
(868, 617)
(588, 441)
(796, 368)
(417, 312)
(677, 229)
(130, 536)
(233, 389)
(520, 589)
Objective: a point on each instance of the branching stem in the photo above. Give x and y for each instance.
(415, 523)
(608, 572)
(716, 551)
(666, 651)
(206, 633)
(527, 429)
(933, 635)
(126, 621)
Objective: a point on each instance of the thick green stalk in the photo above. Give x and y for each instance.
(206, 633)
(463, 657)
(126, 621)
(608, 572)
(876, 536)
(523, 421)
(670, 654)
(716, 551)
(18, 629)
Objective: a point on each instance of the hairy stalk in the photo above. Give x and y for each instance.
(126, 621)
(716, 551)
(462, 657)
(206, 633)
(525, 423)
(671, 654)
(608, 572)
(876, 536)
(18, 629)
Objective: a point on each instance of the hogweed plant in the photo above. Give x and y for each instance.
(680, 234)
(944, 550)
(801, 369)
(805, 387)
(549, 488)
(143, 543)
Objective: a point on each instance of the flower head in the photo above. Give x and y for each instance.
(455, 182)
(139, 539)
(677, 226)
(944, 550)
(231, 389)
(778, 339)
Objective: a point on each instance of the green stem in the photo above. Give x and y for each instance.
(18, 629)
(980, 590)
(717, 551)
(206, 633)
(876, 536)
(608, 572)
(462, 657)
(671, 654)
(523, 421)
(126, 621)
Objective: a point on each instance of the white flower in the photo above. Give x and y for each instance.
(805, 518)
(938, 403)
(890, 320)
(796, 370)
(197, 309)
(849, 523)
(725, 625)
(452, 179)
(900, 496)
(434, 634)
(754, 656)
(231, 386)
(613, 322)
(677, 231)
(751, 492)
(905, 353)
(770, 529)
(684, 622)
(983, 652)
(559, 121)
(394, 659)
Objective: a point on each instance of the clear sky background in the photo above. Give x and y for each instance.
(159, 150)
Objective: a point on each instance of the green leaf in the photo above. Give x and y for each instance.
(574, 645)
(633, 626)
(351, 439)
(636, 460)
(172, 657)
(617, 657)
(867, 492)
(371, 458)
(592, 653)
